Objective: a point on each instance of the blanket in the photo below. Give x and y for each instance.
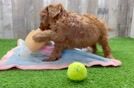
(22, 58)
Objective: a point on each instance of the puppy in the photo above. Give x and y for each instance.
(72, 30)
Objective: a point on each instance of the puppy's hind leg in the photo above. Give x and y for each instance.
(106, 48)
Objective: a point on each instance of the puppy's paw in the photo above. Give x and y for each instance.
(110, 56)
(52, 58)
(37, 38)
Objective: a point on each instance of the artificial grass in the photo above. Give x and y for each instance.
(98, 77)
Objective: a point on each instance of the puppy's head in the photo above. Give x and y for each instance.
(50, 12)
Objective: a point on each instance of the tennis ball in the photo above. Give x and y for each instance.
(77, 71)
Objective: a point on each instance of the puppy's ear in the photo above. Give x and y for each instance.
(44, 12)
(55, 10)
(44, 19)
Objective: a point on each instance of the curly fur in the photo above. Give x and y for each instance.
(72, 30)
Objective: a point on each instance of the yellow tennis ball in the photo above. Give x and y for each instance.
(77, 71)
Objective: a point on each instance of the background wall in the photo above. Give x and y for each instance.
(18, 17)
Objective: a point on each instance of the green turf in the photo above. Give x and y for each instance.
(98, 77)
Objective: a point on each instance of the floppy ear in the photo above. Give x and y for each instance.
(44, 12)
(44, 19)
(55, 10)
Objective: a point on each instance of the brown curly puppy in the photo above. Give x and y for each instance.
(72, 30)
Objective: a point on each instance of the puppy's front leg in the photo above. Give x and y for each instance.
(44, 36)
(56, 54)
